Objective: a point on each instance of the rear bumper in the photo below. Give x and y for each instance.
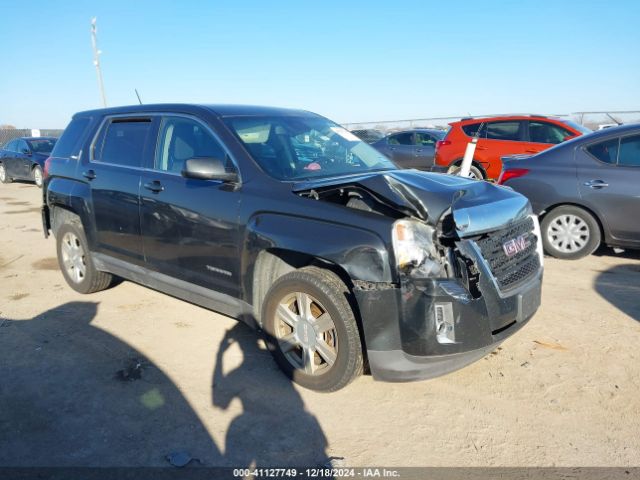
(403, 325)
(46, 223)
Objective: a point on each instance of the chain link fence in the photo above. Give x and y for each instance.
(593, 120)
(8, 134)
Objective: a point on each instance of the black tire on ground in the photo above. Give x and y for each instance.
(474, 170)
(36, 174)
(92, 280)
(570, 233)
(328, 294)
(4, 176)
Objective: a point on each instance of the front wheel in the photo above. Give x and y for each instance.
(4, 177)
(37, 176)
(311, 329)
(474, 172)
(570, 233)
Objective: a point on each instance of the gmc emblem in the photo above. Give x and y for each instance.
(515, 245)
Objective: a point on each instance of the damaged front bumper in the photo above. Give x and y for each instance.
(425, 328)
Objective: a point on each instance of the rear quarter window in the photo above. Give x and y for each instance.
(70, 142)
(471, 130)
(606, 151)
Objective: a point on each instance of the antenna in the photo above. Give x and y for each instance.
(138, 95)
(96, 59)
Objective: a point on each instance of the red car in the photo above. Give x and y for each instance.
(500, 136)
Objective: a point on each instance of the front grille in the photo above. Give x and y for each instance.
(511, 271)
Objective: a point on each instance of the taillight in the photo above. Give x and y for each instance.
(442, 143)
(510, 173)
(47, 162)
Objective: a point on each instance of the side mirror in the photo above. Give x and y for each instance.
(568, 137)
(25, 151)
(207, 168)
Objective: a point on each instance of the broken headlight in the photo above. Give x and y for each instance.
(414, 248)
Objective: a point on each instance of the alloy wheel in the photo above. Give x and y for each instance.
(306, 333)
(73, 257)
(3, 173)
(37, 176)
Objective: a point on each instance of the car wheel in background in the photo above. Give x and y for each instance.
(4, 177)
(570, 233)
(75, 260)
(37, 176)
(311, 329)
(474, 172)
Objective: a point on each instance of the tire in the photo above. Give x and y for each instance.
(74, 259)
(37, 176)
(4, 177)
(570, 233)
(475, 173)
(333, 346)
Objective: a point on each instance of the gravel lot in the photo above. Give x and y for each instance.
(561, 392)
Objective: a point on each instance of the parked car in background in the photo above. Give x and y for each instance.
(411, 148)
(339, 259)
(586, 191)
(500, 136)
(23, 159)
(368, 135)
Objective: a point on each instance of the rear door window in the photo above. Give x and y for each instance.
(70, 144)
(122, 142)
(606, 151)
(629, 154)
(425, 139)
(401, 139)
(11, 146)
(509, 130)
(543, 132)
(22, 147)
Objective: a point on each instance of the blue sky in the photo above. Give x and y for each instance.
(350, 61)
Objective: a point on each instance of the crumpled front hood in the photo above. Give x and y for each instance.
(477, 206)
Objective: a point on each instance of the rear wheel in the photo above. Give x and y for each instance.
(474, 172)
(75, 260)
(570, 233)
(36, 173)
(311, 329)
(4, 177)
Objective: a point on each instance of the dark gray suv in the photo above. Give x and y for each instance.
(289, 222)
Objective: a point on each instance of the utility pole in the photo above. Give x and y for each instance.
(96, 59)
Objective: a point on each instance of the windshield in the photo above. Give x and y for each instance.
(576, 126)
(299, 148)
(42, 145)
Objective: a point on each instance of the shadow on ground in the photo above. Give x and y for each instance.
(631, 254)
(620, 286)
(71, 394)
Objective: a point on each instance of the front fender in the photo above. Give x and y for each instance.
(361, 253)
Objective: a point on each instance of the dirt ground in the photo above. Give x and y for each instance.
(126, 376)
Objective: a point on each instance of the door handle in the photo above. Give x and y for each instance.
(155, 186)
(89, 174)
(481, 148)
(596, 184)
(532, 151)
